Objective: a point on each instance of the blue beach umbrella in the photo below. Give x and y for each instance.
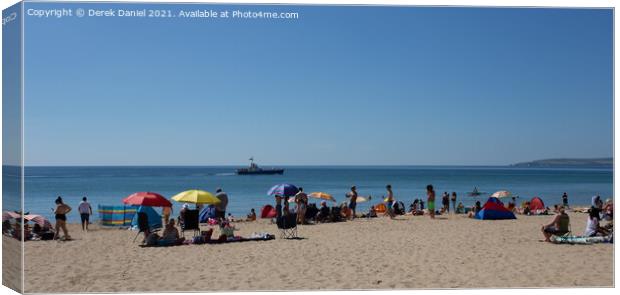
(283, 189)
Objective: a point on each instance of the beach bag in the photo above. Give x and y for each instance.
(198, 240)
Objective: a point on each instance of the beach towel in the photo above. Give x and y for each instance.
(191, 242)
(580, 240)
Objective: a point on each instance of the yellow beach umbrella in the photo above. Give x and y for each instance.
(196, 197)
(322, 195)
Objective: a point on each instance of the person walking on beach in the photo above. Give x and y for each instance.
(352, 195)
(390, 202)
(85, 212)
(453, 199)
(430, 193)
(301, 199)
(565, 200)
(61, 218)
(220, 209)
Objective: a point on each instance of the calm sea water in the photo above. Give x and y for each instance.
(108, 185)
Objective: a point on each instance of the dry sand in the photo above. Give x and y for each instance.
(408, 253)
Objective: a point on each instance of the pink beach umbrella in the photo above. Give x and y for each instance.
(7, 215)
(38, 219)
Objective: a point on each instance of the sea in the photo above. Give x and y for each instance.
(109, 185)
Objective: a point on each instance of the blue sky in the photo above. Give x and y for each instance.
(340, 85)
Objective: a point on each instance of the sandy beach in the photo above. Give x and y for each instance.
(408, 253)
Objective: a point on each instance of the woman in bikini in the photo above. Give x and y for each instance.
(61, 218)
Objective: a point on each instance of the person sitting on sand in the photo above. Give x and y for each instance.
(372, 212)
(171, 234)
(414, 206)
(608, 210)
(512, 205)
(460, 208)
(558, 226)
(345, 211)
(323, 212)
(593, 227)
(474, 210)
(526, 208)
(251, 216)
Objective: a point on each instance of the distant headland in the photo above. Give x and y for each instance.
(566, 162)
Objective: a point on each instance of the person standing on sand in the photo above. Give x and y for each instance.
(565, 200)
(278, 206)
(453, 199)
(285, 210)
(61, 218)
(301, 199)
(352, 195)
(390, 202)
(445, 202)
(85, 212)
(166, 212)
(220, 209)
(430, 193)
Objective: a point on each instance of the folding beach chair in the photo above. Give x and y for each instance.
(287, 226)
(190, 222)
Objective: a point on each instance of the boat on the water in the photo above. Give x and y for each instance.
(253, 169)
(475, 192)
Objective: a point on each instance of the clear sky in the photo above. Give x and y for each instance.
(339, 85)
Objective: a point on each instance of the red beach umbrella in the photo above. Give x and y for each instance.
(147, 199)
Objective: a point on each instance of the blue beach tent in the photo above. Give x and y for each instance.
(206, 213)
(494, 209)
(153, 217)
